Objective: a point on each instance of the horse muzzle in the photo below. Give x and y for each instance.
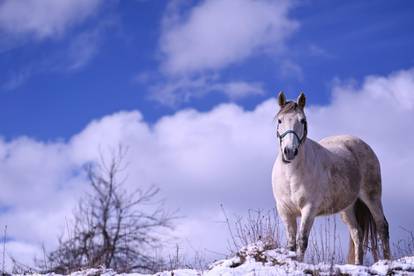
(290, 153)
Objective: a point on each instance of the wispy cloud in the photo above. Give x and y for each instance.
(86, 45)
(16, 79)
(175, 91)
(317, 51)
(43, 19)
(83, 48)
(80, 51)
(240, 89)
(33, 21)
(289, 69)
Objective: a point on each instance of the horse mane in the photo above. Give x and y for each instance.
(288, 107)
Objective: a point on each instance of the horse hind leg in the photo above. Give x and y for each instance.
(374, 204)
(355, 254)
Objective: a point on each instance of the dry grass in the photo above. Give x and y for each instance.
(404, 247)
(325, 243)
(258, 225)
(177, 259)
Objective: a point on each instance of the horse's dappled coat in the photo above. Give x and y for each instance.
(337, 174)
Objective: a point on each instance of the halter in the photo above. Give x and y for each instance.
(300, 139)
(281, 136)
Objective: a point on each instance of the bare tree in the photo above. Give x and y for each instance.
(113, 227)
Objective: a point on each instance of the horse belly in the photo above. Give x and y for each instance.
(343, 181)
(340, 198)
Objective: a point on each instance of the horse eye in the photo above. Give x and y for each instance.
(279, 121)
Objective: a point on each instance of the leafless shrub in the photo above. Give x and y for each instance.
(175, 259)
(3, 270)
(258, 225)
(198, 261)
(22, 269)
(3, 266)
(113, 227)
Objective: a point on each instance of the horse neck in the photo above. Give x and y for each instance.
(309, 157)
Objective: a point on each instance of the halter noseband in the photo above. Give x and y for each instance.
(281, 136)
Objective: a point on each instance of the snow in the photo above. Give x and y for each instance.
(257, 260)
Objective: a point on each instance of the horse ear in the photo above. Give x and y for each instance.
(281, 98)
(301, 100)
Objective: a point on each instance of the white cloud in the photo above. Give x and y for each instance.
(202, 159)
(43, 19)
(380, 111)
(198, 41)
(217, 33)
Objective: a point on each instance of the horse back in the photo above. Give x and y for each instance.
(353, 148)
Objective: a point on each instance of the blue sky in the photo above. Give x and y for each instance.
(190, 87)
(42, 96)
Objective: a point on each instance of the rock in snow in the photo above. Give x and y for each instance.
(256, 259)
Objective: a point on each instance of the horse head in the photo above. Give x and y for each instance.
(292, 126)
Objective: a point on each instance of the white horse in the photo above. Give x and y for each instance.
(336, 174)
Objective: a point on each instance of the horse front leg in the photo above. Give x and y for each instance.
(289, 221)
(306, 222)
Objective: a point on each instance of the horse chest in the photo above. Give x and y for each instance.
(293, 192)
(302, 193)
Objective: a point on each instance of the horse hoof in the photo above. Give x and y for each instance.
(299, 257)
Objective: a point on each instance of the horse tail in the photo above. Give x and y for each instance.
(368, 230)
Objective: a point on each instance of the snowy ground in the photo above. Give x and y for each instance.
(255, 260)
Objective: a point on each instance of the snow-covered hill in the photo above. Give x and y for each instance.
(256, 260)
